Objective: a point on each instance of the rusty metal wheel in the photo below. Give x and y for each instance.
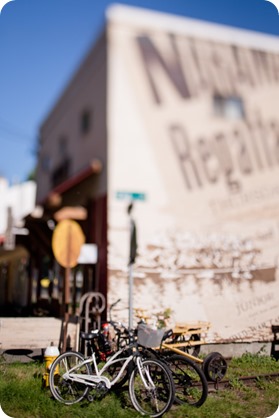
(214, 367)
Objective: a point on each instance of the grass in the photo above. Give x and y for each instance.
(22, 395)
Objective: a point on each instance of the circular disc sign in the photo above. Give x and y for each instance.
(67, 240)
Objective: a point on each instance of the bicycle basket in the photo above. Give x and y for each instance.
(148, 337)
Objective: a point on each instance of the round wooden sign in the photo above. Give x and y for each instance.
(67, 240)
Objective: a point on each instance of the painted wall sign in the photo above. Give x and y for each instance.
(201, 137)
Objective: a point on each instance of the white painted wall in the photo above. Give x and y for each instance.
(20, 197)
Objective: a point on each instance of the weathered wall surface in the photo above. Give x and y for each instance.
(34, 333)
(198, 137)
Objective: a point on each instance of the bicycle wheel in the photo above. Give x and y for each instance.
(157, 398)
(189, 381)
(63, 389)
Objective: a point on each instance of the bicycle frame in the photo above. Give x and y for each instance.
(93, 380)
(182, 353)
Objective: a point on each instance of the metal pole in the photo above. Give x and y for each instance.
(132, 257)
(67, 289)
(131, 295)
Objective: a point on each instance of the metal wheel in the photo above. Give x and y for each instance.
(193, 350)
(214, 367)
(157, 398)
(62, 388)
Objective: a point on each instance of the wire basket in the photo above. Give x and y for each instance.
(148, 337)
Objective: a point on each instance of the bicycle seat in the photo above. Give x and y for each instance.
(89, 335)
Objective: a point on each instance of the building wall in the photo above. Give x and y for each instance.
(72, 171)
(205, 181)
(61, 137)
(208, 181)
(17, 201)
(20, 198)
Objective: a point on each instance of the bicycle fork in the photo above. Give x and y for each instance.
(147, 380)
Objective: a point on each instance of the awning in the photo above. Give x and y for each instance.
(94, 168)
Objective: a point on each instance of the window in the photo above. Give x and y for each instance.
(230, 107)
(86, 121)
(61, 173)
(62, 146)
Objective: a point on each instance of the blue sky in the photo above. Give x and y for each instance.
(42, 43)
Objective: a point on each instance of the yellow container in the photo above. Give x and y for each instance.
(50, 355)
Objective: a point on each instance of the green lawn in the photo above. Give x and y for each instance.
(22, 395)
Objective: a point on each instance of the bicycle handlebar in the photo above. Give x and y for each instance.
(112, 306)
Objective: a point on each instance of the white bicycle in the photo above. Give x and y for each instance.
(151, 389)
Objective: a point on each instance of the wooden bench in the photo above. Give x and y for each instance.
(189, 328)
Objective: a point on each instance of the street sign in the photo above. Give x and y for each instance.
(88, 254)
(131, 196)
(66, 242)
(133, 242)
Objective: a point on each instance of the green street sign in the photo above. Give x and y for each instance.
(131, 196)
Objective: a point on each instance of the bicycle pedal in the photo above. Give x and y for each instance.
(90, 398)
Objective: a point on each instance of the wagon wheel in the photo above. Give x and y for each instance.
(214, 367)
(192, 350)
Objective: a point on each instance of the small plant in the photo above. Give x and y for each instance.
(249, 364)
(236, 384)
(261, 383)
(163, 317)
